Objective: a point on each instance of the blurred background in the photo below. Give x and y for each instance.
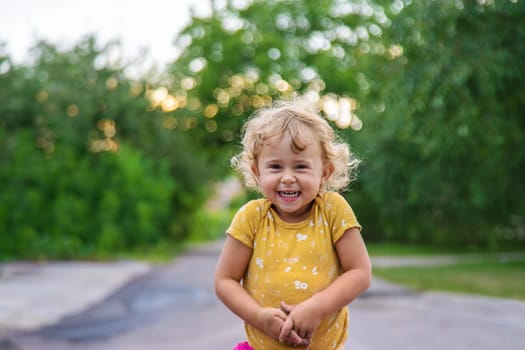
(116, 130)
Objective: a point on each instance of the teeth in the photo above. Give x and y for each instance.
(289, 194)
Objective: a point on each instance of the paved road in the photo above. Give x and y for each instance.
(405, 320)
(173, 307)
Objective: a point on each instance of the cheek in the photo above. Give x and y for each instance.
(268, 179)
(267, 187)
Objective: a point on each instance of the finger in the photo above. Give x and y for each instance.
(301, 333)
(281, 315)
(285, 307)
(286, 329)
(308, 346)
(307, 341)
(295, 338)
(308, 336)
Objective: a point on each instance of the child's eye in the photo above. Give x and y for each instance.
(302, 166)
(274, 166)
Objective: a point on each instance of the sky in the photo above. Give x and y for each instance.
(150, 24)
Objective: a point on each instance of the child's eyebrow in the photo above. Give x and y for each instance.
(297, 160)
(273, 160)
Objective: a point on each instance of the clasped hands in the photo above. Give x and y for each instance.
(292, 324)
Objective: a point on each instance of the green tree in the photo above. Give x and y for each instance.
(439, 86)
(245, 56)
(447, 139)
(89, 166)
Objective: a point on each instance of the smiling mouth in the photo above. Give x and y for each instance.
(289, 194)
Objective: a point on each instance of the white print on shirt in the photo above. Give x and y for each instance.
(301, 237)
(292, 260)
(300, 285)
(259, 262)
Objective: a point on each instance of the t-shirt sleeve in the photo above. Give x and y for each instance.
(340, 215)
(245, 222)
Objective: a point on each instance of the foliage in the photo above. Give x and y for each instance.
(242, 58)
(88, 167)
(64, 206)
(442, 161)
(440, 89)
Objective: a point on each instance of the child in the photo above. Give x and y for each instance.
(299, 251)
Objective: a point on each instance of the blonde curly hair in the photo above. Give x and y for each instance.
(302, 124)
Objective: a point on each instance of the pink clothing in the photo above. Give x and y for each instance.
(243, 346)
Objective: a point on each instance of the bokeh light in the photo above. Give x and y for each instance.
(341, 111)
(72, 110)
(107, 143)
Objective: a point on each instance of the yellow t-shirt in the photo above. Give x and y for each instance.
(292, 261)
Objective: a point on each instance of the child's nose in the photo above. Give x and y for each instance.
(288, 178)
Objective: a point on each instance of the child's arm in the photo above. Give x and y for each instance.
(356, 278)
(230, 270)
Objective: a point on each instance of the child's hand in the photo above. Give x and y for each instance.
(270, 322)
(302, 318)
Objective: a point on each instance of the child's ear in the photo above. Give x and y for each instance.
(255, 172)
(328, 170)
(254, 169)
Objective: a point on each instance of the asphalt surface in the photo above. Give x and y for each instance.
(134, 306)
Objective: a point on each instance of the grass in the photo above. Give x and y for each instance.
(161, 253)
(395, 249)
(490, 278)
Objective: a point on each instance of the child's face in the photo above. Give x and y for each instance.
(288, 179)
